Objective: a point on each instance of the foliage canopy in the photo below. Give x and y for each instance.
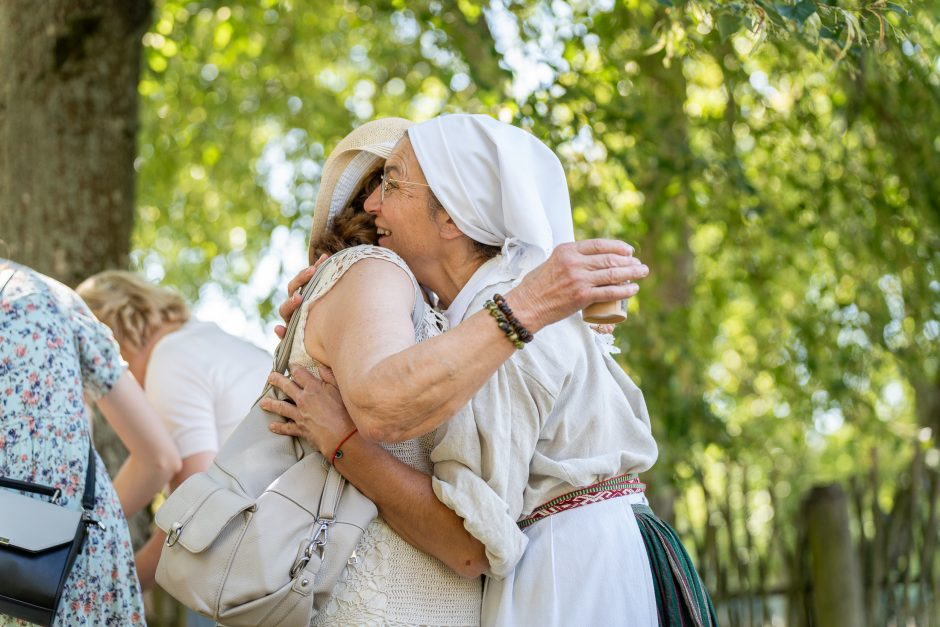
(776, 164)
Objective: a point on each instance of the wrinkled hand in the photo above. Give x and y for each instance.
(317, 413)
(289, 306)
(576, 275)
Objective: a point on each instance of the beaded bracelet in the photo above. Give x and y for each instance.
(503, 324)
(338, 453)
(520, 330)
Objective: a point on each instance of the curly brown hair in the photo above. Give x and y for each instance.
(352, 226)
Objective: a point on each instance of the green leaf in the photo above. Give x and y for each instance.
(830, 33)
(798, 12)
(728, 25)
(897, 8)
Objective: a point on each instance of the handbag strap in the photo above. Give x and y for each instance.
(282, 353)
(5, 277)
(329, 497)
(333, 488)
(88, 498)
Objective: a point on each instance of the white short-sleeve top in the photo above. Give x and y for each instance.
(202, 381)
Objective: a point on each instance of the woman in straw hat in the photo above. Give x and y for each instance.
(472, 205)
(390, 582)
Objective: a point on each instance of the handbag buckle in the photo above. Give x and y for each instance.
(316, 543)
(55, 496)
(173, 536)
(301, 562)
(320, 539)
(88, 520)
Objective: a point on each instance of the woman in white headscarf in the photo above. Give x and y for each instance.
(557, 427)
(365, 339)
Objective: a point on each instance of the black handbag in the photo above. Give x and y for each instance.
(39, 542)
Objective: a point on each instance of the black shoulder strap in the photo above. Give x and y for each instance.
(88, 498)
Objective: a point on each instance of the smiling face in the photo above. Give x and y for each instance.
(402, 219)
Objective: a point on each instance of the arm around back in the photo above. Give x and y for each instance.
(396, 390)
(407, 503)
(403, 494)
(361, 328)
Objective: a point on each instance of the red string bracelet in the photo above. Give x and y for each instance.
(338, 453)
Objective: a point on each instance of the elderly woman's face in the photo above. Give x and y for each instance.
(401, 213)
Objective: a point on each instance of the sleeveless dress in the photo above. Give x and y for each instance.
(53, 354)
(388, 581)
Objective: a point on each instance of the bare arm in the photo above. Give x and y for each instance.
(402, 494)
(153, 458)
(149, 554)
(408, 504)
(395, 390)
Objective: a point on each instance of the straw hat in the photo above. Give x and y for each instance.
(358, 155)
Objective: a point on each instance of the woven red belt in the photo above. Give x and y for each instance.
(607, 489)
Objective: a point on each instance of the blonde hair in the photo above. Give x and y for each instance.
(131, 306)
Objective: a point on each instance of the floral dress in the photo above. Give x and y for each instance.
(53, 355)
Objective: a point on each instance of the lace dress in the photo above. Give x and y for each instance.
(389, 582)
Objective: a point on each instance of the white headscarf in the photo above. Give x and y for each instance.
(502, 187)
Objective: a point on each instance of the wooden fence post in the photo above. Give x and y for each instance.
(834, 569)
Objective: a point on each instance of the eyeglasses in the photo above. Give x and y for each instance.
(386, 180)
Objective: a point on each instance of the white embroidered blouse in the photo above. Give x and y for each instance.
(559, 415)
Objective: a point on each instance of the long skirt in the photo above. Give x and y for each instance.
(583, 566)
(681, 598)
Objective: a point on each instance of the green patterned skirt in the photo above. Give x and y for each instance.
(681, 598)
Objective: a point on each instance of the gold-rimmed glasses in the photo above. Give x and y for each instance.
(386, 180)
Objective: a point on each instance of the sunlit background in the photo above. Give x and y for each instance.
(778, 167)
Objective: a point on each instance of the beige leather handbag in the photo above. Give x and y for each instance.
(263, 535)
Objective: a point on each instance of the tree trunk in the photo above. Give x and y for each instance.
(68, 119)
(837, 582)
